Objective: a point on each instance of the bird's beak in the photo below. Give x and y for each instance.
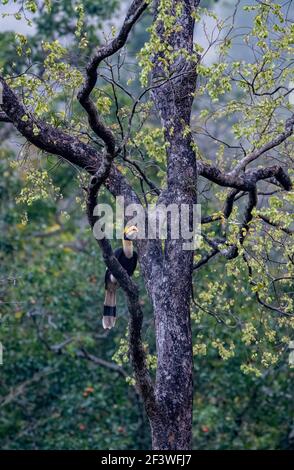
(131, 233)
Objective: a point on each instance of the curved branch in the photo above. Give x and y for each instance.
(289, 126)
(229, 204)
(101, 130)
(245, 181)
(205, 259)
(137, 352)
(101, 362)
(259, 300)
(288, 231)
(252, 203)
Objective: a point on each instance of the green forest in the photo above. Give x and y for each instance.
(166, 100)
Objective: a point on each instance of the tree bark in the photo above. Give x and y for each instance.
(171, 293)
(174, 384)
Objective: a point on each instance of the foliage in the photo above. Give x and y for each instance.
(52, 398)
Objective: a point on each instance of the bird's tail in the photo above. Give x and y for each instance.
(109, 314)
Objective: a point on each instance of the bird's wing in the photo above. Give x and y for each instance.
(135, 256)
(118, 252)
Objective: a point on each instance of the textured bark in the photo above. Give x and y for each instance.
(174, 386)
(171, 296)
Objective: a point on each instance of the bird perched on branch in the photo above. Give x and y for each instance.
(128, 259)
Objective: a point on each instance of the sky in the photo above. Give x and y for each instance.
(223, 9)
(9, 23)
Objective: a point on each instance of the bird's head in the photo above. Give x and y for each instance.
(131, 232)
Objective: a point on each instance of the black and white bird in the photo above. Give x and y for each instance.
(128, 258)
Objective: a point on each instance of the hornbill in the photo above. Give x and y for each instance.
(128, 259)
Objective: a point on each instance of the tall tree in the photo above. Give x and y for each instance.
(172, 64)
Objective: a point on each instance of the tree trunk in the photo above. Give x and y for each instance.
(171, 292)
(172, 428)
(172, 435)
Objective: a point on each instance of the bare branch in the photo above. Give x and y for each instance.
(266, 147)
(205, 259)
(245, 181)
(275, 224)
(143, 176)
(252, 203)
(136, 9)
(229, 204)
(259, 300)
(101, 362)
(4, 118)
